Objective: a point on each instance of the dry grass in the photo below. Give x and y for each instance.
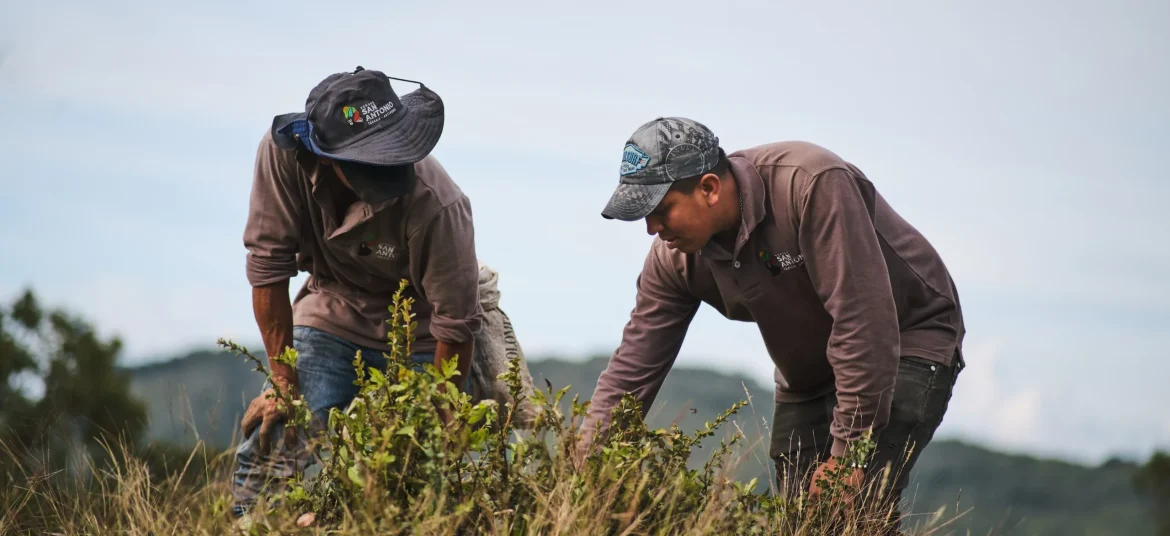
(404, 470)
(129, 495)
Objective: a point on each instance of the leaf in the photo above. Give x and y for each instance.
(406, 431)
(478, 412)
(561, 394)
(355, 475)
(376, 377)
(450, 366)
(477, 438)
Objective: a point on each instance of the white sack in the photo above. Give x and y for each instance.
(495, 345)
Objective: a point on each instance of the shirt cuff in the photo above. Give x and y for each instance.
(839, 448)
(268, 270)
(453, 330)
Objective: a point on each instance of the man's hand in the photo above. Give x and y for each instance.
(273, 312)
(853, 480)
(465, 352)
(265, 411)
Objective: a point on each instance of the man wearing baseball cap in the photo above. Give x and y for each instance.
(855, 307)
(348, 191)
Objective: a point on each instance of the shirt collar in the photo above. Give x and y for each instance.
(358, 213)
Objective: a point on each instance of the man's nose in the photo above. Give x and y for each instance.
(653, 226)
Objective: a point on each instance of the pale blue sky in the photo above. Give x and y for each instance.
(1025, 141)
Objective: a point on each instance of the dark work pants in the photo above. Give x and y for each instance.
(800, 431)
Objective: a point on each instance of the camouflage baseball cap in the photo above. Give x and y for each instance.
(660, 152)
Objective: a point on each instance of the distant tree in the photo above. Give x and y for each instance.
(85, 399)
(1154, 479)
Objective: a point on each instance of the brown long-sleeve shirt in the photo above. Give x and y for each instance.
(838, 283)
(357, 253)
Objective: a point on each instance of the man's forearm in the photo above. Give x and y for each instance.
(465, 351)
(273, 312)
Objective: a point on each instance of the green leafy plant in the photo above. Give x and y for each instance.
(412, 454)
(390, 461)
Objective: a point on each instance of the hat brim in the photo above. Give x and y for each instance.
(285, 128)
(632, 202)
(373, 183)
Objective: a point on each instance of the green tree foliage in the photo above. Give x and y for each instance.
(85, 401)
(1154, 479)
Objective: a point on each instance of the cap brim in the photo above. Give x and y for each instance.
(632, 202)
(376, 184)
(408, 141)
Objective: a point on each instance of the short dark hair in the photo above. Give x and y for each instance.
(722, 169)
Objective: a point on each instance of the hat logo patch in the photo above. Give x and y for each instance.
(368, 113)
(352, 115)
(633, 159)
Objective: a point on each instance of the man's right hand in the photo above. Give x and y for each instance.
(265, 412)
(273, 312)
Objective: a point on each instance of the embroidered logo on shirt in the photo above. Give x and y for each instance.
(381, 250)
(778, 263)
(633, 159)
(385, 251)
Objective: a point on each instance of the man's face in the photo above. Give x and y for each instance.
(336, 171)
(685, 219)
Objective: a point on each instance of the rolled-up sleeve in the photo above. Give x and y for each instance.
(444, 263)
(663, 311)
(271, 234)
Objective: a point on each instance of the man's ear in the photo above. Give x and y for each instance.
(712, 187)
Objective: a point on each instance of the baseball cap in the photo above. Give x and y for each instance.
(659, 153)
(357, 119)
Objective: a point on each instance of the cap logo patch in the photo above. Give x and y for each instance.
(352, 115)
(633, 159)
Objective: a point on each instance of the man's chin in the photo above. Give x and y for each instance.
(683, 246)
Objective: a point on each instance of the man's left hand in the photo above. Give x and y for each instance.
(853, 480)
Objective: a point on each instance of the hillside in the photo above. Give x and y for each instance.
(204, 394)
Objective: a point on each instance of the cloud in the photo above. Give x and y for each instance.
(981, 407)
(1021, 417)
(1069, 395)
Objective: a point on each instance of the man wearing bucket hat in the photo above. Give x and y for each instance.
(348, 191)
(856, 309)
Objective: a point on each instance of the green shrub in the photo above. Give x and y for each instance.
(390, 462)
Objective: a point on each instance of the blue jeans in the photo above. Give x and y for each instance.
(325, 376)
